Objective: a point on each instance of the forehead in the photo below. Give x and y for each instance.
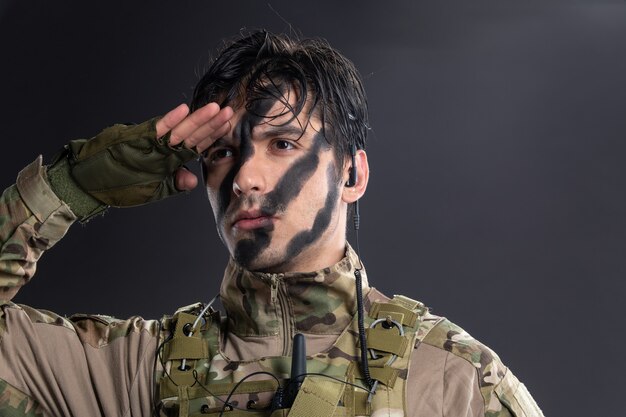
(277, 110)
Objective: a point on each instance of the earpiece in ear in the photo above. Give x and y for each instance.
(352, 176)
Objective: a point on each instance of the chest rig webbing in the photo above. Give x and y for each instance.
(196, 379)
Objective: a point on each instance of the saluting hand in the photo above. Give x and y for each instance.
(198, 129)
(126, 166)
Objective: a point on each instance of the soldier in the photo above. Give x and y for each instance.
(279, 125)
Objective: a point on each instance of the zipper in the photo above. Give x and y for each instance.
(274, 288)
(278, 294)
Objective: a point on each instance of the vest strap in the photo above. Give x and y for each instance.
(186, 348)
(182, 320)
(183, 401)
(183, 346)
(386, 375)
(395, 312)
(361, 405)
(169, 389)
(386, 340)
(318, 397)
(407, 302)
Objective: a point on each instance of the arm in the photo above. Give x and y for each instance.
(50, 365)
(32, 219)
(85, 365)
(37, 212)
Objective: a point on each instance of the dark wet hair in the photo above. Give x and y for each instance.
(263, 65)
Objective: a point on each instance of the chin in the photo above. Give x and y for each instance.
(267, 261)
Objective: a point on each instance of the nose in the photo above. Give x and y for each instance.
(250, 177)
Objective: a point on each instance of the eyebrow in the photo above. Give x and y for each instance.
(288, 130)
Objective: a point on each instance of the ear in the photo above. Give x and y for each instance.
(352, 194)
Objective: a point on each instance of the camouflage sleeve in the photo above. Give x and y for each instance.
(87, 365)
(14, 402)
(32, 220)
(514, 396)
(502, 393)
(51, 365)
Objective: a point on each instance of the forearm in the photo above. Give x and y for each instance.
(122, 166)
(32, 220)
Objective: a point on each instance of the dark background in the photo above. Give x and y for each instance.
(497, 151)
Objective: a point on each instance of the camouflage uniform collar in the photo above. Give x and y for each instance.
(265, 304)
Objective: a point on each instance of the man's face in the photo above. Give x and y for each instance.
(275, 189)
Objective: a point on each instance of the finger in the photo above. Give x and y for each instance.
(193, 122)
(207, 142)
(185, 180)
(211, 130)
(171, 119)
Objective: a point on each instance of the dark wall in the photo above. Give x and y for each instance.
(497, 152)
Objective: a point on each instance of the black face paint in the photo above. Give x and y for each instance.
(286, 190)
(243, 131)
(277, 200)
(247, 250)
(292, 182)
(322, 219)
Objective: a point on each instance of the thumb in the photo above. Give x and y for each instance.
(185, 180)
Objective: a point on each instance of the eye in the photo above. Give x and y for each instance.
(283, 145)
(220, 154)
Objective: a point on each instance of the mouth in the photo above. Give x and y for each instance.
(253, 219)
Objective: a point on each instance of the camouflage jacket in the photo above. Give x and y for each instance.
(92, 365)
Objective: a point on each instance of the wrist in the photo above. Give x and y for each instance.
(82, 204)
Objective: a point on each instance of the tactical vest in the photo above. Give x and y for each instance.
(194, 378)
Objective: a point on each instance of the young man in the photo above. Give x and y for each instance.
(280, 127)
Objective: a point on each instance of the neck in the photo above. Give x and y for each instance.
(314, 258)
(278, 305)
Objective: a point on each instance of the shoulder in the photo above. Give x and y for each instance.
(445, 335)
(94, 329)
(440, 333)
(502, 393)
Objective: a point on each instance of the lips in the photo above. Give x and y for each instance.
(252, 219)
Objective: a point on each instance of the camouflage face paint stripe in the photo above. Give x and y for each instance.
(290, 185)
(287, 189)
(322, 219)
(243, 131)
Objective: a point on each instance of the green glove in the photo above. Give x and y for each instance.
(127, 166)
